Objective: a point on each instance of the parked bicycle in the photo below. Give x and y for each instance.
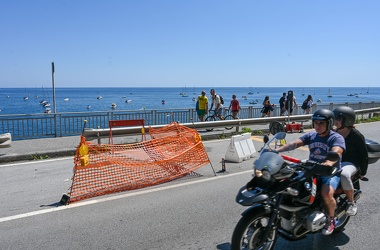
(213, 117)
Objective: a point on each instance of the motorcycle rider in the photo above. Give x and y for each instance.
(355, 158)
(320, 142)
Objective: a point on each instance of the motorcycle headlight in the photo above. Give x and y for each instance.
(263, 174)
(258, 173)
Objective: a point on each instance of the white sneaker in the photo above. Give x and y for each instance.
(352, 209)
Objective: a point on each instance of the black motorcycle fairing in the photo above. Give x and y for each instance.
(247, 197)
(259, 182)
(256, 209)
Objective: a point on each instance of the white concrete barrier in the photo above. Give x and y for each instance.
(241, 148)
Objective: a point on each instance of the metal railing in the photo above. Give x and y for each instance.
(30, 126)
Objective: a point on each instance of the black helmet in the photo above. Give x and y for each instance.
(347, 114)
(325, 115)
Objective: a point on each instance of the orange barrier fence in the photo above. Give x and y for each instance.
(170, 130)
(106, 168)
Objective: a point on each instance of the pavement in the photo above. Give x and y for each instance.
(45, 148)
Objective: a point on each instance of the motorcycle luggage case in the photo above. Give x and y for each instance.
(294, 127)
(373, 151)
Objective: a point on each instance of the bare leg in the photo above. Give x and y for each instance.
(328, 198)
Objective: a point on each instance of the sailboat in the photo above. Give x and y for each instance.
(184, 94)
(44, 102)
(329, 93)
(26, 97)
(250, 92)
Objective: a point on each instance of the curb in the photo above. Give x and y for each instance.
(37, 156)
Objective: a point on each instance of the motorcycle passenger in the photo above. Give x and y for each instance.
(320, 142)
(355, 158)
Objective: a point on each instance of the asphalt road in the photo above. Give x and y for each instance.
(190, 213)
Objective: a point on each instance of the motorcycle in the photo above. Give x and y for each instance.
(284, 200)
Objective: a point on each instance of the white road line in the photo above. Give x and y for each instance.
(121, 196)
(37, 161)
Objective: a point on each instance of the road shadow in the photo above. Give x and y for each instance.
(224, 246)
(55, 204)
(311, 242)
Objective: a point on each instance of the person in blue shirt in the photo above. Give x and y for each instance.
(320, 142)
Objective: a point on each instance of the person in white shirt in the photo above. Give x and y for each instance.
(217, 104)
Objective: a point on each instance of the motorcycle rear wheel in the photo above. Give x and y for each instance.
(248, 233)
(341, 223)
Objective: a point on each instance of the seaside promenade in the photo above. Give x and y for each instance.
(34, 149)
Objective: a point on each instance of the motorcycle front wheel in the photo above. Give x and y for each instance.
(249, 231)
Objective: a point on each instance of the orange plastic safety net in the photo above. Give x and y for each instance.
(103, 169)
(170, 130)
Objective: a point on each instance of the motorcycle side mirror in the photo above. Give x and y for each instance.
(266, 138)
(332, 156)
(280, 135)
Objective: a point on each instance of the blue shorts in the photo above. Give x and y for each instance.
(220, 110)
(333, 181)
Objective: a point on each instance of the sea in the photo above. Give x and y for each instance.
(27, 100)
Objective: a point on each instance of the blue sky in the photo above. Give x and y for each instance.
(142, 43)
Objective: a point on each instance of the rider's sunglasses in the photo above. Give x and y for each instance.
(320, 123)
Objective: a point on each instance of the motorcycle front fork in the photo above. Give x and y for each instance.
(273, 218)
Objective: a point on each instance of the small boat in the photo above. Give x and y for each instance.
(5, 140)
(44, 103)
(88, 106)
(26, 98)
(36, 96)
(184, 95)
(99, 97)
(47, 111)
(128, 101)
(193, 99)
(254, 102)
(124, 96)
(113, 105)
(66, 99)
(163, 102)
(329, 93)
(319, 100)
